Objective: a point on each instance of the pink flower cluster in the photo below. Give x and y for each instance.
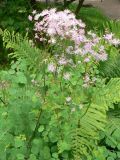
(54, 27)
(50, 24)
(62, 23)
(110, 38)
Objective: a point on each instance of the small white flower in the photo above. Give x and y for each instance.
(82, 25)
(53, 40)
(37, 16)
(81, 106)
(102, 48)
(116, 42)
(51, 67)
(108, 36)
(30, 18)
(102, 57)
(73, 110)
(66, 76)
(27, 29)
(69, 49)
(79, 62)
(77, 51)
(86, 78)
(67, 11)
(36, 36)
(62, 61)
(87, 59)
(34, 12)
(92, 34)
(41, 39)
(34, 81)
(85, 85)
(68, 99)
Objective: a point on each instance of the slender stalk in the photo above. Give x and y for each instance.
(29, 145)
(33, 135)
(44, 81)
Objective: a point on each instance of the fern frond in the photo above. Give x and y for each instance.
(111, 135)
(21, 48)
(112, 91)
(111, 68)
(113, 26)
(86, 135)
(109, 94)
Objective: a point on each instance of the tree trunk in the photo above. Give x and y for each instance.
(65, 3)
(47, 1)
(32, 2)
(79, 6)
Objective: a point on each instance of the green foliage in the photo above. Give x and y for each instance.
(111, 137)
(22, 49)
(111, 68)
(13, 14)
(113, 26)
(36, 121)
(95, 118)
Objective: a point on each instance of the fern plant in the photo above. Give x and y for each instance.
(111, 137)
(94, 119)
(113, 26)
(111, 67)
(22, 47)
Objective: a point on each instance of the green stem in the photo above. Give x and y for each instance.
(29, 145)
(2, 101)
(33, 135)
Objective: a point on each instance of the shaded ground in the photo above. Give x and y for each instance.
(110, 7)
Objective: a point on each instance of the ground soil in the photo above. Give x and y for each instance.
(110, 7)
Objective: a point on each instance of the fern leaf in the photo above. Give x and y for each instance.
(21, 48)
(86, 135)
